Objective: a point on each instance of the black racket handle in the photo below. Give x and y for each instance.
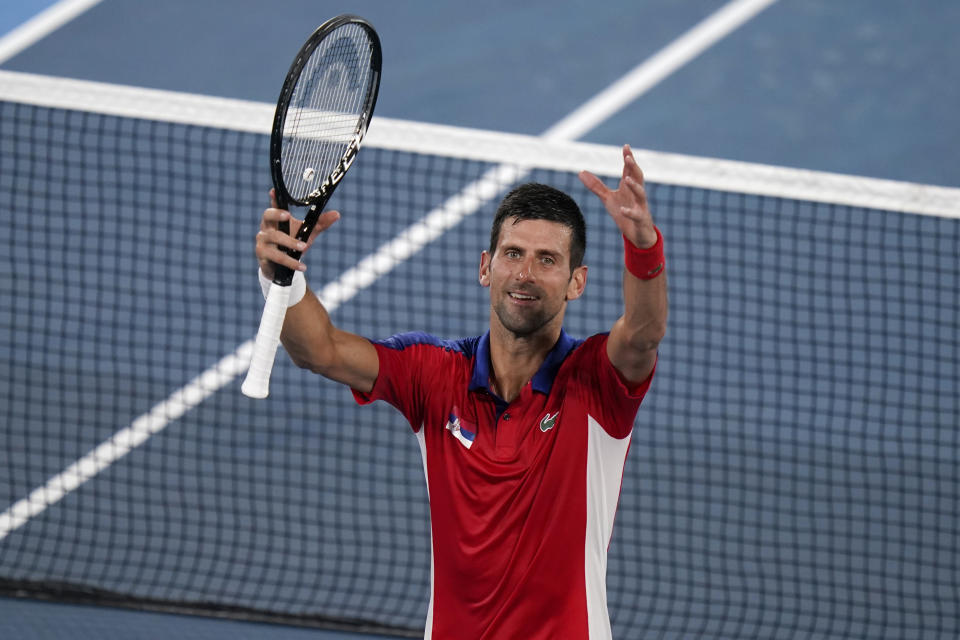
(283, 275)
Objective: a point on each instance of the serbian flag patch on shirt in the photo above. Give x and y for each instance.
(459, 430)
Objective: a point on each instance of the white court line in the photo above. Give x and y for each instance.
(372, 267)
(643, 77)
(41, 25)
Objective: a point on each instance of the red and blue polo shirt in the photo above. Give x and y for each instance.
(522, 494)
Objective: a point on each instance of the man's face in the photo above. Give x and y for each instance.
(529, 275)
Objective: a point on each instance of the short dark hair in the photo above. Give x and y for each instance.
(534, 201)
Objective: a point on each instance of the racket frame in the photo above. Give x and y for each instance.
(257, 382)
(317, 200)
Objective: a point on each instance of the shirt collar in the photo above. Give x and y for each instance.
(542, 380)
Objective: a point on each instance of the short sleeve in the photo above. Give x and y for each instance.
(398, 382)
(612, 400)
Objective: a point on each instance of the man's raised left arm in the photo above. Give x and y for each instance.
(635, 336)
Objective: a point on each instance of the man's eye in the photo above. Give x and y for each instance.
(547, 260)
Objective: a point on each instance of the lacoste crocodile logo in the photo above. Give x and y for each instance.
(547, 422)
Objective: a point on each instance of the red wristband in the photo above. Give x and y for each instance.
(645, 264)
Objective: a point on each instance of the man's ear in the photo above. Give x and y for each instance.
(578, 281)
(485, 269)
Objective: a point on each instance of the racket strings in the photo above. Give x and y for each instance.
(325, 109)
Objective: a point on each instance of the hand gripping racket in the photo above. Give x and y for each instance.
(322, 115)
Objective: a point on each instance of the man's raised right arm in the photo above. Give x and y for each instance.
(309, 335)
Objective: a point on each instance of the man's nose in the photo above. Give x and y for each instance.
(525, 273)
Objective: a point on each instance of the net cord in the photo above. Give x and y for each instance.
(487, 146)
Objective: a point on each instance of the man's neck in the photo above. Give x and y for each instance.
(515, 359)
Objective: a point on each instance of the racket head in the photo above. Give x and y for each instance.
(323, 111)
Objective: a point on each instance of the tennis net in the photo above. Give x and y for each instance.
(792, 474)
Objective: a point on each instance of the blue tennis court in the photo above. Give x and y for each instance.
(860, 88)
(857, 87)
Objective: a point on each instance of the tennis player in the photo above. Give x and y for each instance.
(523, 431)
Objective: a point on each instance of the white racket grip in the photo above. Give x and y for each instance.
(257, 383)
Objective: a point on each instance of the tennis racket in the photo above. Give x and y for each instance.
(323, 112)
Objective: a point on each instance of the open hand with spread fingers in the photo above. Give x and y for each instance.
(627, 204)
